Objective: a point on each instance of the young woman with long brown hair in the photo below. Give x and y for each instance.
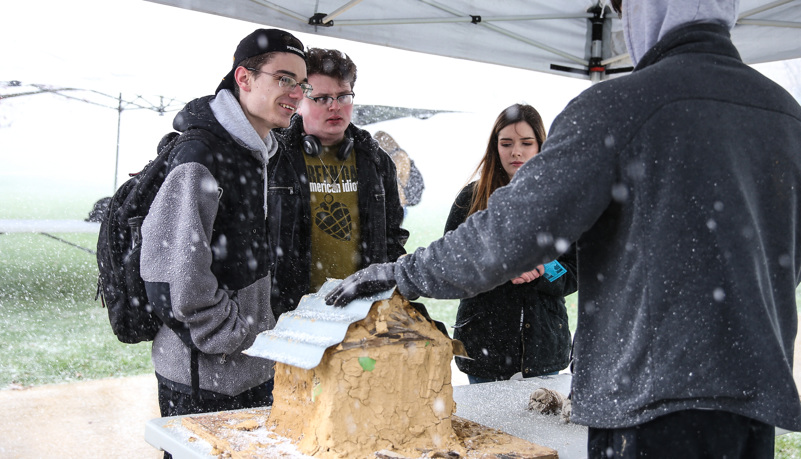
(520, 326)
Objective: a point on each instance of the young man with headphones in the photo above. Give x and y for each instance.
(333, 197)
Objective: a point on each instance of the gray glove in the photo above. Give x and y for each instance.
(372, 279)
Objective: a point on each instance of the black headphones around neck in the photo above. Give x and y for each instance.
(312, 147)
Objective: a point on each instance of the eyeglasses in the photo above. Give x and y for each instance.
(286, 82)
(326, 101)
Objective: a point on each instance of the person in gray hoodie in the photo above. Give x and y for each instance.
(683, 201)
(205, 255)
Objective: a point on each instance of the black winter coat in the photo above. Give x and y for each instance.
(380, 212)
(514, 328)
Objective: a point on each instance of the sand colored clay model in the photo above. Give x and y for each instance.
(386, 386)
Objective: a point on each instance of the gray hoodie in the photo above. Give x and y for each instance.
(231, 117)
(205, 252)
(645, 22)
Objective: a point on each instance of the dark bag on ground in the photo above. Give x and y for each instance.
(119, 244)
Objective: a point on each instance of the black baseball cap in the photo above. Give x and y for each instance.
(259, 42)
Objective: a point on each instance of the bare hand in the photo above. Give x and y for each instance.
(529, 276)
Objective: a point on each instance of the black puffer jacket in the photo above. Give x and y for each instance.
(514, 328)
(380, 212)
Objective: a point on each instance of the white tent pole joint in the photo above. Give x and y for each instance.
(327, 20)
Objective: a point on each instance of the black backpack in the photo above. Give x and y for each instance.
(120, 285)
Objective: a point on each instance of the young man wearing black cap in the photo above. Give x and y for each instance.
(205, 259)
(333, 189)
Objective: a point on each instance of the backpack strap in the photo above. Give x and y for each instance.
(194, 375)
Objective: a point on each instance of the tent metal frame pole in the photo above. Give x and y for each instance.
(117, 158)
(762, 8)
(121, 105)
(611, 60)
(467, 18)
(597, 26)
(401, 21)
(340, 10)
(768, 23)
(281, 10)
(510, 34)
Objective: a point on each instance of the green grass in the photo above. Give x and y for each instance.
(788, 446)
(51, 327)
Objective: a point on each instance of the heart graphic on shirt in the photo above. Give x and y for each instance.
(333, 218)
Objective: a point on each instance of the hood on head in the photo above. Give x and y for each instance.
(645, 22)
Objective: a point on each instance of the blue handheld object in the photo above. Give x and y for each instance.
(553, 270)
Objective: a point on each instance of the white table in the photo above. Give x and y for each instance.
(167, 434)
(504, 406)
(500, 405)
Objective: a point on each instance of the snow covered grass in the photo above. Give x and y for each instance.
(788, 446)
(50, 325)
(54, 330)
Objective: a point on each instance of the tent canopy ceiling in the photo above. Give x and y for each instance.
(578, 38)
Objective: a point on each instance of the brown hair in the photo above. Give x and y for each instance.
(617, 5)
(254, 62)
(331, 63)
(493, 176)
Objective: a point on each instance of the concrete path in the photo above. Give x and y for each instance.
(101, 418)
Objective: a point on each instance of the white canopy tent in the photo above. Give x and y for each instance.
(577, 38)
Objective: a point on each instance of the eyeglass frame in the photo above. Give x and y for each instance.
(316, 99)
(285, 81)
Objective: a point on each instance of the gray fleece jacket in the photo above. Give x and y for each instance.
(684, 200)
(205, 255)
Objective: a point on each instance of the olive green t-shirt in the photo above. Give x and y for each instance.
(335, 236)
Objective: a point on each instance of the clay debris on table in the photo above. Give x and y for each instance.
(548, 401)
(231, 435)
(240, 435)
